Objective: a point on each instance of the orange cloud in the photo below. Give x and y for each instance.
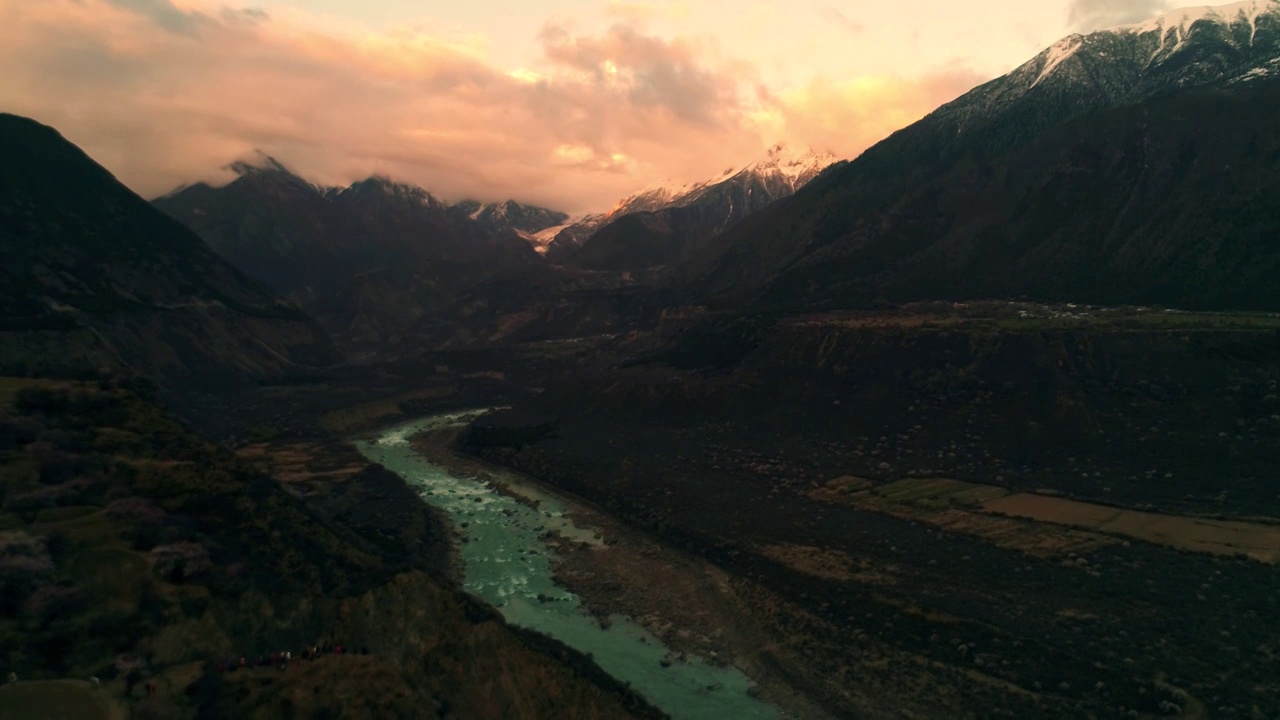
(645, 11)
(165, 93)
(846, 117)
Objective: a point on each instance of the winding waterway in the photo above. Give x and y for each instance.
(506, 562)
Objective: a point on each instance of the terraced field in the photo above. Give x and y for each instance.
(1046, 524)
(1218, 537)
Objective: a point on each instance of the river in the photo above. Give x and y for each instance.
(506, 562)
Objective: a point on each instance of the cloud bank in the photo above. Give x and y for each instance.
(164, 94)
(1089, 15)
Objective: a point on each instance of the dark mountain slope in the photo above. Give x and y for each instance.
(270, 223)
(510, 215)
(929, 203)
(668, 236)
(664, 226)
(365, 260)
(94, 276)
(1174, 201)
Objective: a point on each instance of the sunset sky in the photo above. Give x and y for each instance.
(566, 103)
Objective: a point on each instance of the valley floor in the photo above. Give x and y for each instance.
(962, 512)
(1025, 513)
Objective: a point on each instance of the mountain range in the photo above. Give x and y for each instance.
(666, 223)
(366, 260)
(377, 261)
(1132, 165)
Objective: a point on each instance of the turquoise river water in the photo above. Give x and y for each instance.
(506, 562)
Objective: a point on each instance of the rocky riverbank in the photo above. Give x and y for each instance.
(690, 605)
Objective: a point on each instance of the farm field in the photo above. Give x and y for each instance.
(955, 506)
(1047, 525)
(1219, 537)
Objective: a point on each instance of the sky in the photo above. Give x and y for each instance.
(564, 103)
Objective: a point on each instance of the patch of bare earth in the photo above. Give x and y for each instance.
(300, 463)
(828, 564)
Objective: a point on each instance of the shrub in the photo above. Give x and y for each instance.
(57, 468)
(16, 432)
(176, 562)
(135, 510)
(41, 400)
(147, 524)
(117, 492)
(57, 542)
(51, 602)
(25, 565)
(43, 499)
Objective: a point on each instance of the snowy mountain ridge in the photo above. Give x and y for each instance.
(525, 220)
(1181, 20)
(780, 171)
(1081, 73)
(667, 222)
(792, 166)
(1188, 45)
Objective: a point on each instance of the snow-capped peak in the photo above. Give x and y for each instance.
(1162, 36)
(792, 163)
(793, 166)
(497, 211)
(658, 195)
(779, 172)
(1182, 19)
